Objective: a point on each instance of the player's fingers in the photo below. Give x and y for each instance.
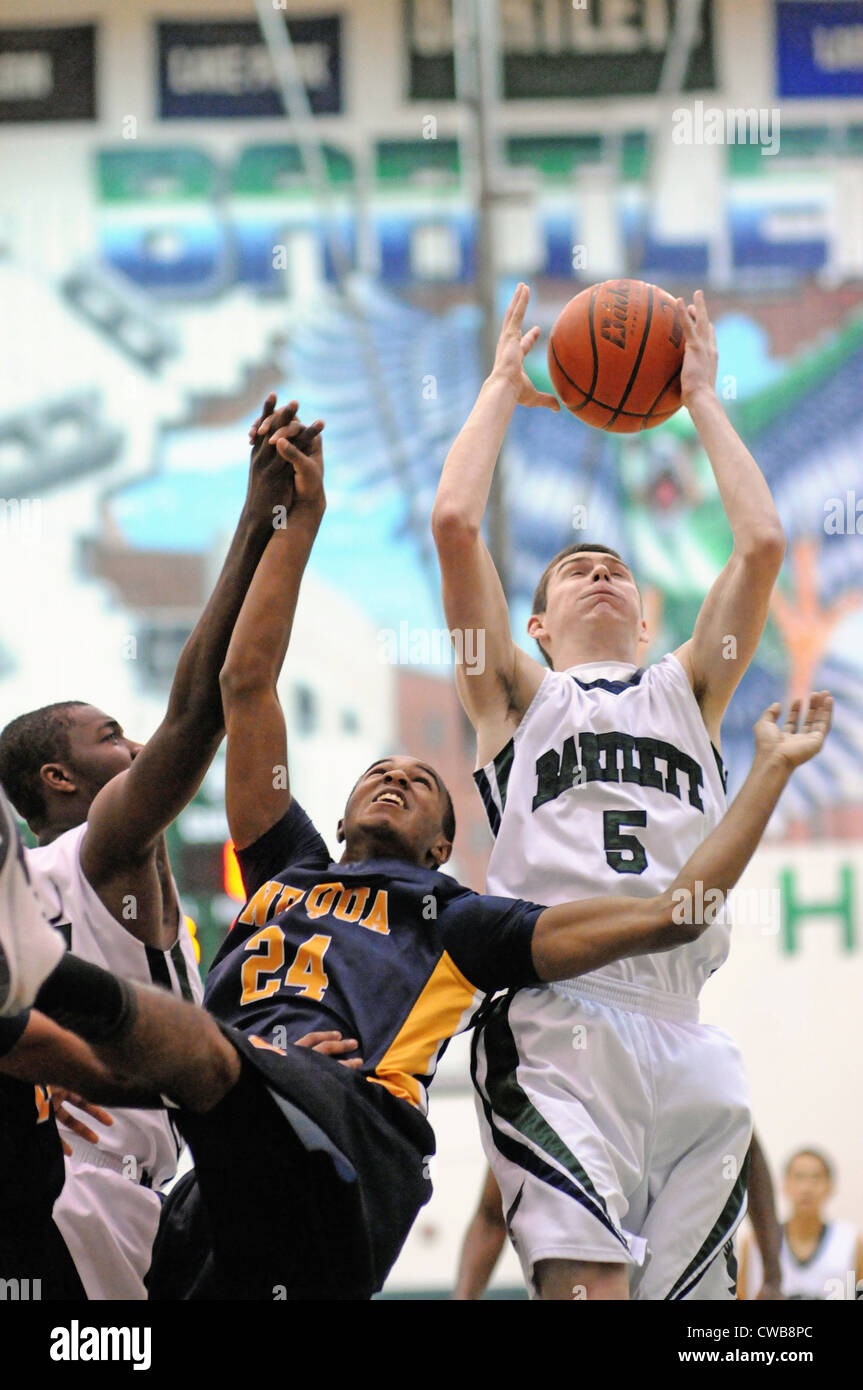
(312, 1039)
(529, 339)
(266, 409)
(336, 1049)
(545, 398)
(354, 1063)
(518, 305)
(771, 714)
(77, 1126)
(279, 418)
(702, 317)
(290, 450)
(685, 321)
(790, 725)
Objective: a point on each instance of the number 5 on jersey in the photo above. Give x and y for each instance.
(306, 970)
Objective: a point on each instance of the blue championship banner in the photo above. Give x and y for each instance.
(819, 48)
(48, 74)
(223, 68)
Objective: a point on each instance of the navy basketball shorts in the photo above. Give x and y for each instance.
(306, 1183)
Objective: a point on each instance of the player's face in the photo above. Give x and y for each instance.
(98, 747)
(595, 589)
(397, 807)
(807, 1183)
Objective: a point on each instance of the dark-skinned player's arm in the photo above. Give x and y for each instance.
(737, 603)
(257, 792)
(46, 1051)
(496, 697)
(573, 938)
(130, 813)
(765, 1225)
(484, 1240)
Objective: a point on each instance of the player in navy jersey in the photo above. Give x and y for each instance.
(308, 1175)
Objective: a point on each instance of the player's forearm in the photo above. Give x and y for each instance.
(195, 697)
(746, 498)
(573, 938)
(720, 859)
(762, 1214)
(262, 631)
(465, 482)
(481, 1251)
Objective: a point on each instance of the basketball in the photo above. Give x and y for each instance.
(615, 354)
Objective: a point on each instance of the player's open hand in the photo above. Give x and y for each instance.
(59, 1100)
(700, 356)
(801, 736)
(332, 1045)
(512, 347)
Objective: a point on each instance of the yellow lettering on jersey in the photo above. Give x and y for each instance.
(321, 898)
(43, 1104)
(377, 919)
(351, 904)
(307, 968)
(254, 914)
(287, 898)
(271, 959)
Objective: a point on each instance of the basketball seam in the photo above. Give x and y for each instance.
(592, 400)
(674, 374)
(635, 368)
(592, 344)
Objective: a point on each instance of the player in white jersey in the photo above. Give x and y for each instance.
(617, 1125)
(818, 1258)
(98, 804)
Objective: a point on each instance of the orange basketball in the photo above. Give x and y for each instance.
(615, 355)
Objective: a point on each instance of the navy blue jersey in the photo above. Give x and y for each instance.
(399, 957)
(31, 1156)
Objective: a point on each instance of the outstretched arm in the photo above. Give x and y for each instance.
(257, 793)
(573, 938)
(131, 811)
(495, 697)
(732, 617)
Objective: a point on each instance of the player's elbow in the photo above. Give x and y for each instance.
(679, 917)
(764, 550)
(451, 529)
(240, 680)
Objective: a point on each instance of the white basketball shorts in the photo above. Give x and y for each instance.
(616, 1136)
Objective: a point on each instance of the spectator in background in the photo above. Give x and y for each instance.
(819, 1258)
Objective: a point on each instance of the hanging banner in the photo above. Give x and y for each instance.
(559, 48)
(223, 68)
(819, 49)
(48, 74)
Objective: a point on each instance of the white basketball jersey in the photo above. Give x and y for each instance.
(829, 1272)
(139, 1151)
(608, 785)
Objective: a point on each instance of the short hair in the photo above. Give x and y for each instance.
(540, 593)
(811, 1153)
(448, 821)
(26, 745)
